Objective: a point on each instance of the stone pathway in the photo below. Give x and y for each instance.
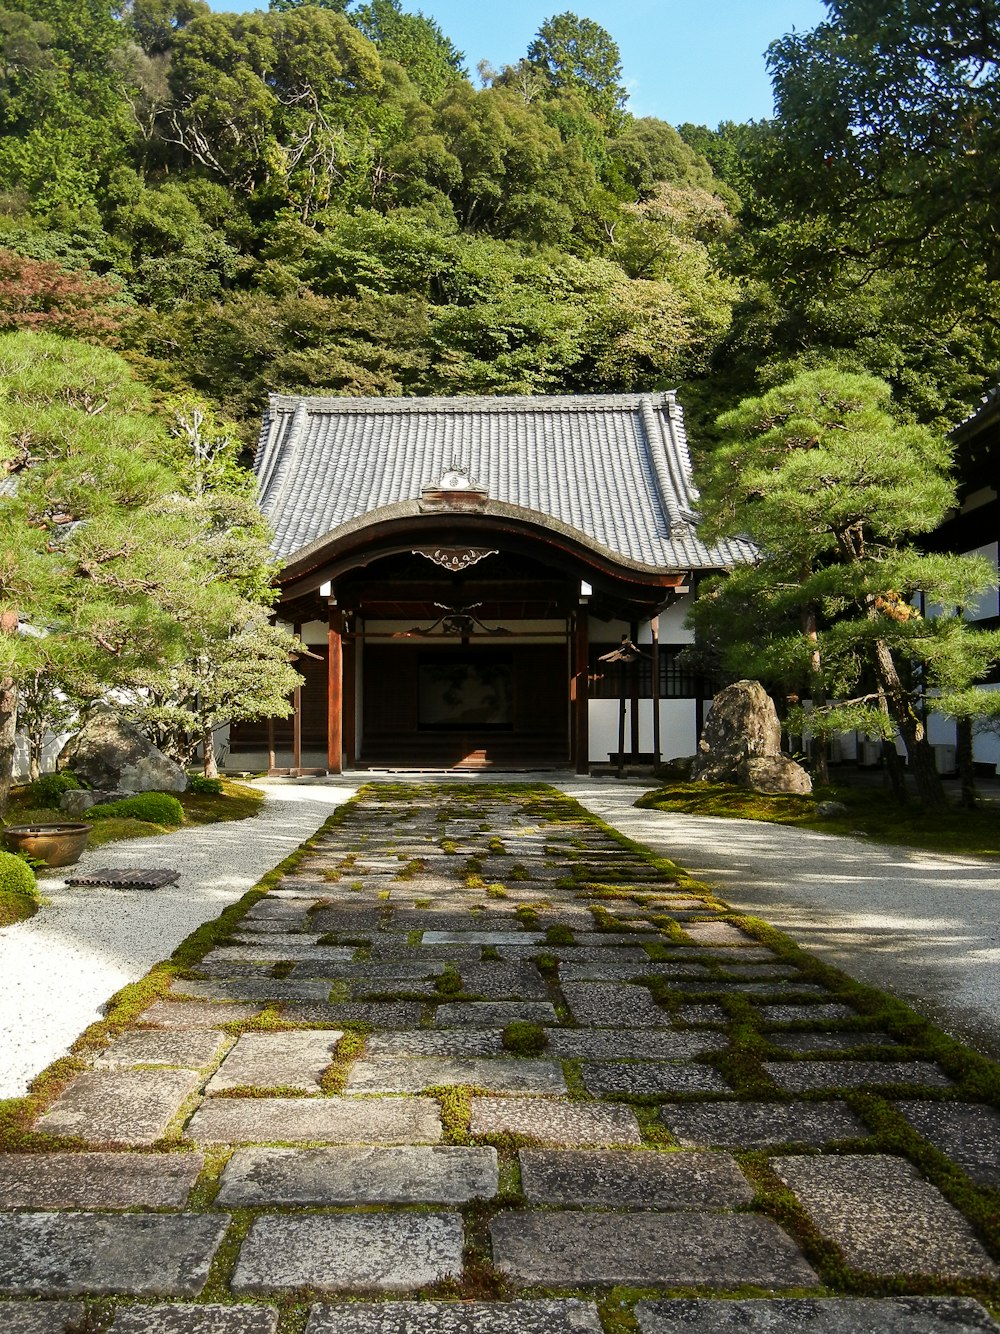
(476, 1067)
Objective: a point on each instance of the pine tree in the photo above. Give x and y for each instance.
(833, 490)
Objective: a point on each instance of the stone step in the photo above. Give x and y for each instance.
(79, 1254)
(622, 1179)
(188, 1048)
(97, 1180)
(552, 1121)
(387, 1074)
(884, 1218)
(519, 1317)
(847, 1315)
(548, 1247)
(317, 1120)
(355, 1175)
(180, 1319)
(384, 1252)
(755, 1125)
(119, 1106)
(276, 1060)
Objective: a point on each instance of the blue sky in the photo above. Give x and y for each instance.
(684, 60)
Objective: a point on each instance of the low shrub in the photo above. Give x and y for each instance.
(18, 892)
(152, 807)
(205, 786)
(524, 1038)
(47, 790)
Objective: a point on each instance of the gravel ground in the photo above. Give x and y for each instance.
(923, 925)
(59, 968)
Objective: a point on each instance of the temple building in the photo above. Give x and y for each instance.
(482, 582)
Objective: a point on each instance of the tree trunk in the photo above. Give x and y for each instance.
(966, 767)
(8, 737)
(817, 693)
(900, 707)
(209, 766)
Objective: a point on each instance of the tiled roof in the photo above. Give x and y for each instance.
(987, 411)
(615, 468)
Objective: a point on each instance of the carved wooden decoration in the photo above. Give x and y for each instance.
(455, 559)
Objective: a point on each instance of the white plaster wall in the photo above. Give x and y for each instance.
(678, 735)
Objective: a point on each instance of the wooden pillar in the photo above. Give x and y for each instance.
(335, 693)
(272, 758)
(580, 691)
(633, 634)
(654, 627)
(350, 652)
(297, 717)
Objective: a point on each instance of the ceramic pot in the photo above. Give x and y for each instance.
(53, 844)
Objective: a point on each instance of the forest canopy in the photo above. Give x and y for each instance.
(321, 197)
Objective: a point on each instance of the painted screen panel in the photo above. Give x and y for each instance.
(456, 692)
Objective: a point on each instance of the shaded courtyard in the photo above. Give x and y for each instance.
(474, 1049)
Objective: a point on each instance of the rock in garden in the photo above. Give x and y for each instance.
(741, 744)
(111, 754)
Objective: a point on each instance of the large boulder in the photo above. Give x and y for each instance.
(112, 755)
(741, 744)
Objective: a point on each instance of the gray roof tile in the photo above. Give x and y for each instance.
(614, 467)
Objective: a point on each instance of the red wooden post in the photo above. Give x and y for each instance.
(335, 693)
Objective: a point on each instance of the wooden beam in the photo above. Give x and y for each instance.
(580, 692)
(335, 693)
(633, 672)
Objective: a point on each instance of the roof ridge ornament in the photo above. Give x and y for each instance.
(457, 489)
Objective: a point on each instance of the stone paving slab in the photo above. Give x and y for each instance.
(605, 1005)
(583, 1249)
(380, 1014)
(347, 917)
(97, 1180)
(269, 951)
(519, 1317)
(38, 1317)
(621, 1179)
(392, 949)
(703, 1014)
(387, 1252)
(571, 971)
(631, 1044)
(498, 981)
(206, 1319)
(754, 1125)
(718, 933)
(780, 1013)
(845, 1040)
(79, 1254)
(552, 1122)
(119, 1106)
(515, 938)
(884, 1218)
(195, 1014)
(354, 1175)
(253, 989)
(968, 1133)
(190, 1048)
(804, 1076)
(387, 976)
(848, 1315)
(647, 1079)
(493, 1014)
(320, 1120)
(456, 1043)
(276, 1060)
(410, 1074)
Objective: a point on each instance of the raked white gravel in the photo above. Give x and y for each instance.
(61, 966)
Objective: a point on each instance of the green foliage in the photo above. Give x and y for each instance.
(153, 807)
(16, 876)
(47, 790)
(581, 56)
(414, 41)
(524, 1038)
(832, 490)
(201, 785)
